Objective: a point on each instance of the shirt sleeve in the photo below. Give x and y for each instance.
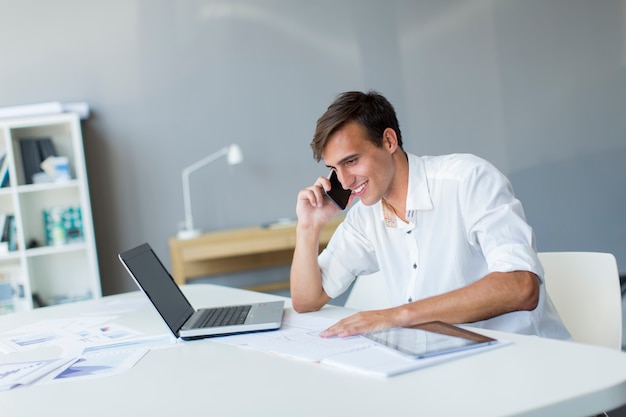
(348, 254)
(495, 222)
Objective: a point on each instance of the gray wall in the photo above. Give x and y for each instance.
(538, 87)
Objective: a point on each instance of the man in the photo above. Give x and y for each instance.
(446, 232)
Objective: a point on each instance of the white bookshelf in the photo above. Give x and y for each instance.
(68, 269)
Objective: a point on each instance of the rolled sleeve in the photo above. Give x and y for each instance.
(514, 257)
(497, 224)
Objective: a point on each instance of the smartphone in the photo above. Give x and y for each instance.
(337, 193)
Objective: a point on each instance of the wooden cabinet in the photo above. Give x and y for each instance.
(237, 250)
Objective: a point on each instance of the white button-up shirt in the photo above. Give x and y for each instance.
(463, 223)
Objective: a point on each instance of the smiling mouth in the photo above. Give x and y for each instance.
(360, 188)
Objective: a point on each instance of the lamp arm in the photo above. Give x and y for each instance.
(204, 161)
(185, 177)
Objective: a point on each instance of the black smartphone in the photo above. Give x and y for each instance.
(337, 193)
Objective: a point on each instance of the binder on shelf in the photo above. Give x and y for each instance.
(4, 241)
(34, 152)
(8, 240)
(11, 232)
(46, 148)
(4, 171)
(5, 228)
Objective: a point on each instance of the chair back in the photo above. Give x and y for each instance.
(585, 289)
(368, 293)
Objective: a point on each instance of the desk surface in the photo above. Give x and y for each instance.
(532, 377)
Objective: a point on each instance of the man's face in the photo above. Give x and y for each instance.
(361, 166)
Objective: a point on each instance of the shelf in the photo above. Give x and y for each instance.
(56, 211)
(48, 186)
(9, 256)
(54, 250)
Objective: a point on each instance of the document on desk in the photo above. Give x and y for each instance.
(90, 347)
(71, 334)
(299, 338)
(25, 373)
(99, 363)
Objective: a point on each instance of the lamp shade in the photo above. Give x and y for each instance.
(235, 156)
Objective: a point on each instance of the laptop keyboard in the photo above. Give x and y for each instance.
(224, 316)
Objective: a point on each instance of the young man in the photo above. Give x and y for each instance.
(446, 232)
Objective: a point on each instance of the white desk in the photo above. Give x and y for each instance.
(533, 377)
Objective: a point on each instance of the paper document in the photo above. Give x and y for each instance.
(99, 364)
(91, 347)
(299, 338)
(72, 335)
(25, 373)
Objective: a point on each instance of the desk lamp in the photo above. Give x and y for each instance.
(233, 156)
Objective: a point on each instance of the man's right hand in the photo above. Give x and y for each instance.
(314, 208)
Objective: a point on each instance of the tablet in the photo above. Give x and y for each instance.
(429, 339)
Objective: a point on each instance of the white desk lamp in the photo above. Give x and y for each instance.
(233, 156)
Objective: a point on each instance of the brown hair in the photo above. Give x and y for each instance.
(371, 110)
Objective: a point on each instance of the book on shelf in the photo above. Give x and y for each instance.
(4, 235)
(63, 225)
(4, 170)
(12, 234)
(34, 152)
(3, 162)
(7, 238)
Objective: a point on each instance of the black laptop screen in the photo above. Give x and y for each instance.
(158, 285)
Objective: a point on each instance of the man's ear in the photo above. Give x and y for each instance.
(390, 140)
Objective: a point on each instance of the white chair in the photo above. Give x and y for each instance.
(585, 289)
(368, 293)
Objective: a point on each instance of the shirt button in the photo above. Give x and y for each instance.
(414, 266)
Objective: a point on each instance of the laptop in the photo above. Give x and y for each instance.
(183, 320)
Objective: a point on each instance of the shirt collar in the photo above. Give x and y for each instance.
(418, 194)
